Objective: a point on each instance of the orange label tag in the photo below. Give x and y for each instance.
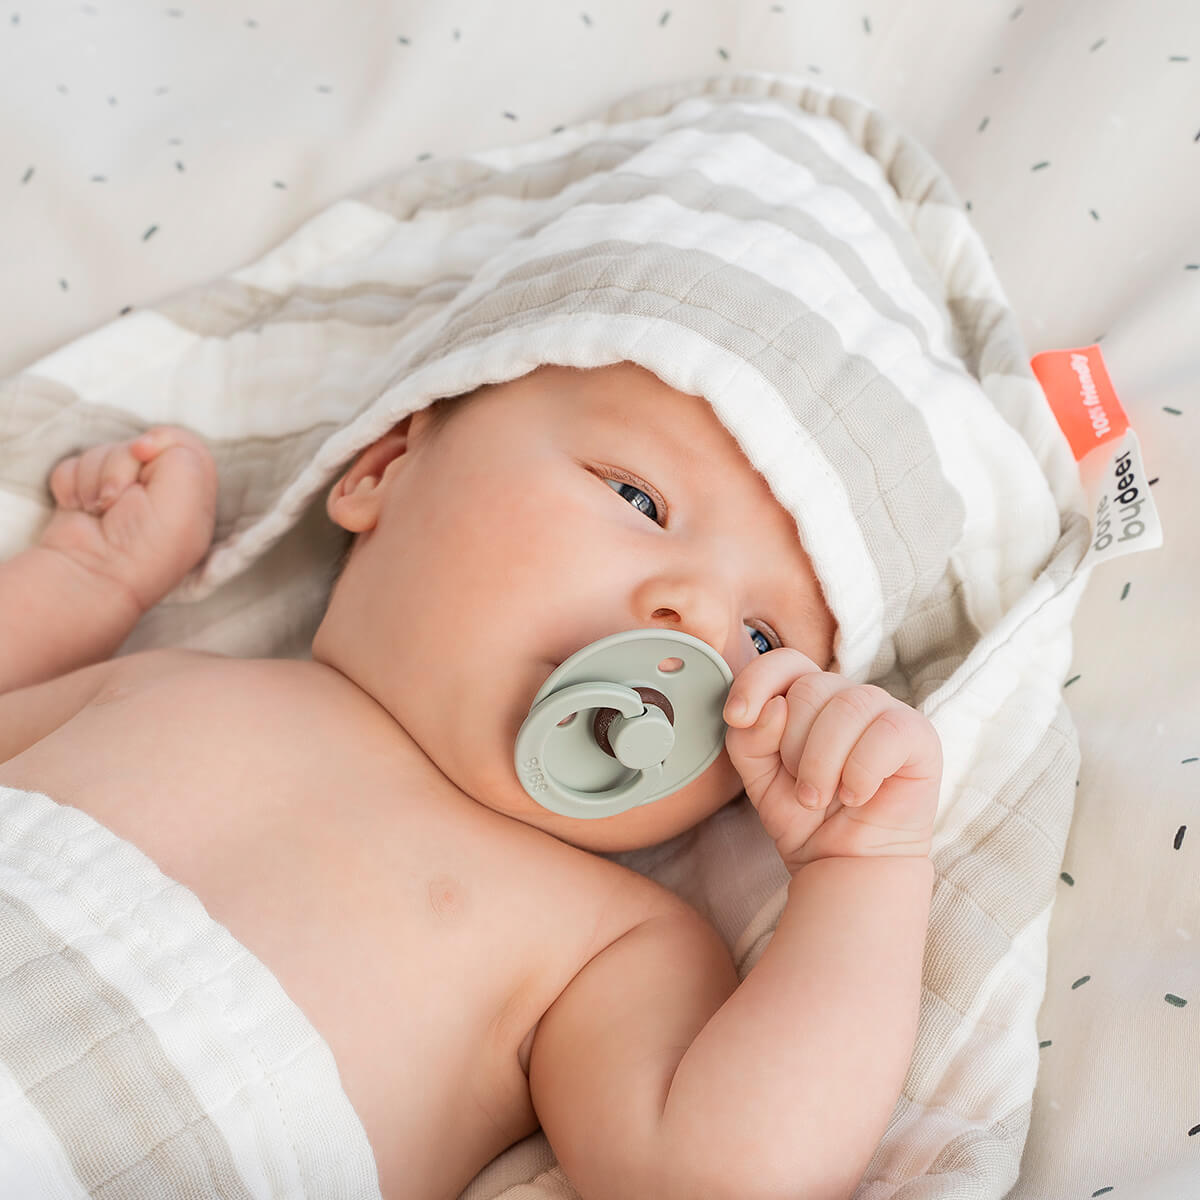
(1081, 396)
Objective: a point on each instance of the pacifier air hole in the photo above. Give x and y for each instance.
(606, 716)
(669, 666)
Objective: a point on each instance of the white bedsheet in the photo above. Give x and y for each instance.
(144, 148)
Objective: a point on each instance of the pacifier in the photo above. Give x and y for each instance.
(623, 722)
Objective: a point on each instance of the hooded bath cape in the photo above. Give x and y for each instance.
(782, 250)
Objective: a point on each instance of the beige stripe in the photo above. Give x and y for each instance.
(995, 878)
(127, 1119)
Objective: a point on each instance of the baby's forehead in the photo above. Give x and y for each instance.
(629, 398)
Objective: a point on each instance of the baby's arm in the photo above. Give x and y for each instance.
(132, 519)
(784, 1087)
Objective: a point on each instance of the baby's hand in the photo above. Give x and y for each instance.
(139, 514)
(834, 769)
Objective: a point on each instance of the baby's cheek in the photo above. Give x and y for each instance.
(722, 779)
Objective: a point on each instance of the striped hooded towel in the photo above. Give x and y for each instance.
(784, 251)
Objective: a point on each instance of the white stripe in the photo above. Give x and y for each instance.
(32, 1161)
(21, 520)
(348, 229)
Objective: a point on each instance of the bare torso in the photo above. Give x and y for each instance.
(422, 934)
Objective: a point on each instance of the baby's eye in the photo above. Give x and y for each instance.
(759, 639)
(638, 497)
(762, 641)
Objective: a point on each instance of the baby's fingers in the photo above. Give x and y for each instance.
(93, 480)
(832, 738)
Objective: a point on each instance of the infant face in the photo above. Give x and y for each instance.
(549, 512)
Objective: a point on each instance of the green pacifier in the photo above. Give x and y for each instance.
(624, 721)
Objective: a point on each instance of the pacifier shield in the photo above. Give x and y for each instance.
(631, 710)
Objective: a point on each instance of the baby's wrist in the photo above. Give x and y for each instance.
(55, 617)
(919, 850)
(99, 600)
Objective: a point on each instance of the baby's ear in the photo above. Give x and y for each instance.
(353, 502)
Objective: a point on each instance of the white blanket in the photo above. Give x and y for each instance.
(144, 1053)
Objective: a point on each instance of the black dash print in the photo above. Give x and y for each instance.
(280, 185)
(1102, 1192)
(983, 124)
(112, 101)
(723, 53)
(968, 206)
(997, 70)
(404, 41)
(325, 88)
(1191, 266)
(1069, 880)
(1125, 591)
(425, 156)
(1016, 12)
(27, 176)
(1188, 760)
(511, 116)
(458, 35)
(867, 24)
(1096, 46)
(1071, 680)
(1080, 981)
(1197, 137)
(586, 19)
(125, 311)
(16, 18)
(179, 166)
(1195, 1129)
(558, 129)
(1095, 214)
(1179, 836)
(62, 283)
(99, 179)
(251, 23)
(174, 12)
(1152, 482)
(665, 17)
(1043, 1045)
(1039, 166)
(1173, 411)
(1175, 1001)
(1179, 58)
(149, 233)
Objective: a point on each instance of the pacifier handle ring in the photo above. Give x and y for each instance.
(553, 793)
(606, 716)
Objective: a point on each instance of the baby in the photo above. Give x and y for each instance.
(474, 968)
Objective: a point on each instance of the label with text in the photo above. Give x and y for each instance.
(1085, 404)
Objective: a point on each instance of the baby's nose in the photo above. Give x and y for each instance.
(695, 607)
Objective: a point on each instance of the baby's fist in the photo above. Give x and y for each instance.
(139, 514)
(834, 769)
